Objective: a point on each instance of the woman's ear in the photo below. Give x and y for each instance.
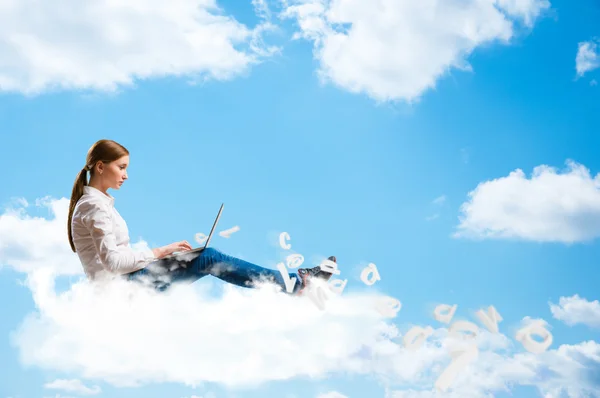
(99, 166)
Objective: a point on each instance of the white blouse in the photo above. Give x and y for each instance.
(101, 238)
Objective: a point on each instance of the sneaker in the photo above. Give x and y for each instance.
(306, 274)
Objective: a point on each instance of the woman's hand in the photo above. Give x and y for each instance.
(180, 246)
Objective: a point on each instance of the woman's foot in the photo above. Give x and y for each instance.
(307, 274)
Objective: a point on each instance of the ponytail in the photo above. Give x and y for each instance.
(76, 194)
(102, 151)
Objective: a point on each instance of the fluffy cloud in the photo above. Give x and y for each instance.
(588, 57)
(72, 385)
(549, 207)
(103, 45)
(124, 335)
(569, 370)
(576, 310)
(30, 243)
(129, 336)
(396, 50)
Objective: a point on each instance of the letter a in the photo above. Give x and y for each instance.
(415, 337)
(447, 317)
(370, 269)
(337, 285)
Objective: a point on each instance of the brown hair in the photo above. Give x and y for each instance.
(104, 151)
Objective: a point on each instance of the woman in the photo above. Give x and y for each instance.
(99, 236)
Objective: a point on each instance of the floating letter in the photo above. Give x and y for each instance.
(200, 238)
(415, 337)
(370, 269)
(337, 285)
(282, 241)
(289, 282)
(227, 233)
(463, 326)
(329, 266)
(490, 319)
(294, 260)
(447, 317)
(460, 360)
(536, 327)
(388, 306)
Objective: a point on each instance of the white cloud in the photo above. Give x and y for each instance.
(397, 50)
(574, 310)
(588, 57)
(128, 336)
(58, 396)
(30, 242)
(549, 207)
(331, 394)
(568, 369)
(105, 45)
(439, 200)
(124, 335)
(72, 385)
(527, 10)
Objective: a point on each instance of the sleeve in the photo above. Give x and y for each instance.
(116, 259)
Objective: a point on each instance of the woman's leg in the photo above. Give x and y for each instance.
(160, 274)
(237, 271)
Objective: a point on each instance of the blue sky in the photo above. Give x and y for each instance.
(379, 132)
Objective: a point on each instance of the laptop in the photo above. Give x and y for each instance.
(199, 249)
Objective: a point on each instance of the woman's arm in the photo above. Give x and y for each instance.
(163, 251)
(116, 259)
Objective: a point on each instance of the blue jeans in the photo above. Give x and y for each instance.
(162, 273)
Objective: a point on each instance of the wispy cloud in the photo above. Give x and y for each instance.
(398, 50)
(73, 386)
(464, 154)
(437, 202)
(588, 57)
(576, 310)
(551, 206)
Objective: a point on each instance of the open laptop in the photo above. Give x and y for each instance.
(199, 249)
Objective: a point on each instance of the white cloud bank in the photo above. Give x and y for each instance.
(124, 335)
(577, 310)
(551, 206)
(103, 45)
(588, 57)
(72, 385)
(396, 50)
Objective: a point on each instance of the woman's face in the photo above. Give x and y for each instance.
(115, 173)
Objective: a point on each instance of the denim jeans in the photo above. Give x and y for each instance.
(188, 268)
